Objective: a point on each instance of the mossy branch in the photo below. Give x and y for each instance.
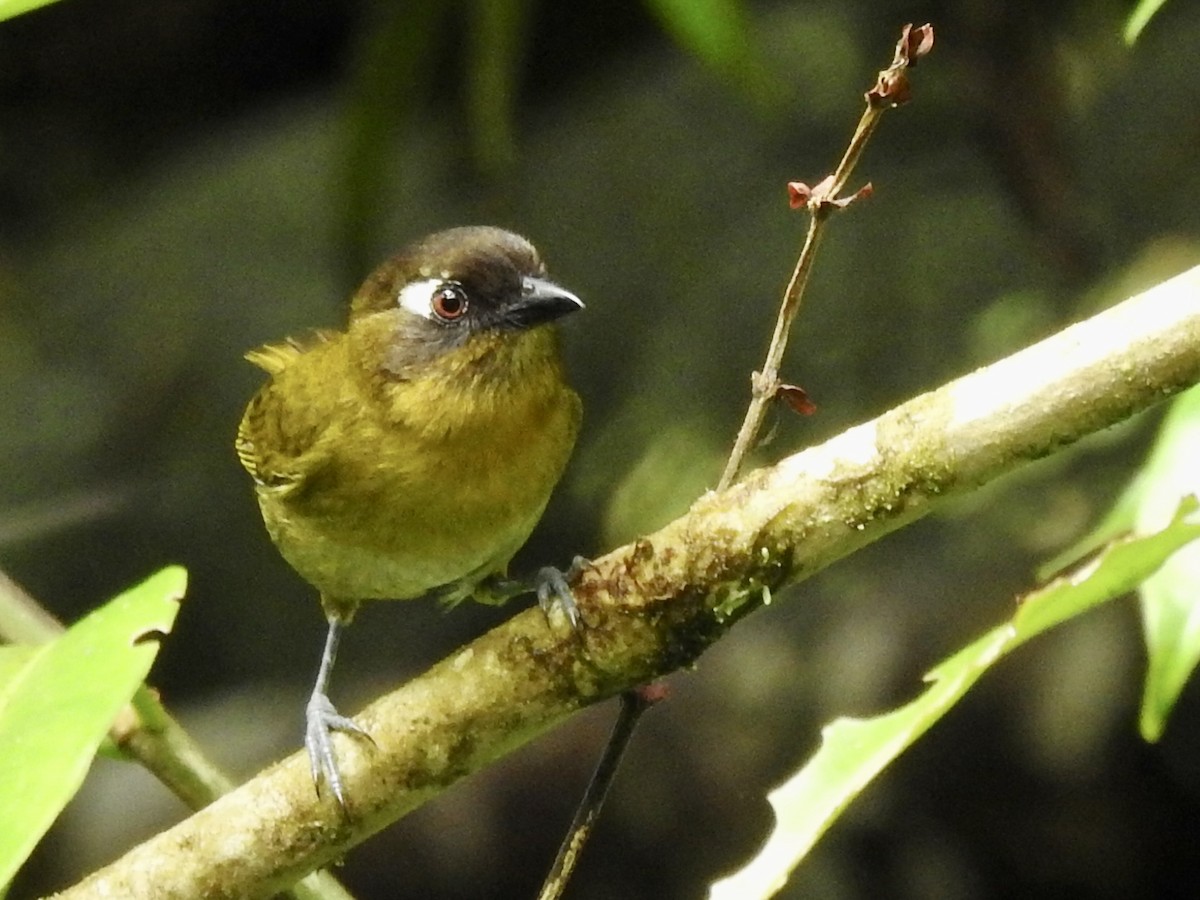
(656, 604)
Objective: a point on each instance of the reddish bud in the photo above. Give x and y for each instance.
(797, 399)
(654, 692)
(798, 194)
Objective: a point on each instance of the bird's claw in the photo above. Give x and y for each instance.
(553, 588)
(321, 719)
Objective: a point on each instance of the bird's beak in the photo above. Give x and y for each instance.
(541, 301)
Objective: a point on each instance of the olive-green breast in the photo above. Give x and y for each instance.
(382, 488)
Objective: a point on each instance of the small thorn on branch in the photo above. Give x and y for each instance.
(892, 87)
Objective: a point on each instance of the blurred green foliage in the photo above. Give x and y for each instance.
(1140, 17)
(410, 48)
(10, 8)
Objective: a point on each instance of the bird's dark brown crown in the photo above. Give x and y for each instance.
(488, 262)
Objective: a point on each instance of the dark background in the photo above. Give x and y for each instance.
(180, 181)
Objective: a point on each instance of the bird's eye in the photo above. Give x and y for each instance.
(449, 302)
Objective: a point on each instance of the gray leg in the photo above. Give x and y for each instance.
(321, 720)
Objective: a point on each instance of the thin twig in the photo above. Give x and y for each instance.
(633, 704)
(891, 89)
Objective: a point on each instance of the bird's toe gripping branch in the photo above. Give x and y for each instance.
(553, 588)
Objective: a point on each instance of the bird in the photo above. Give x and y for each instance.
(412, 453)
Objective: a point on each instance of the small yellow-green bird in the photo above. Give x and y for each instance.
(414, 453)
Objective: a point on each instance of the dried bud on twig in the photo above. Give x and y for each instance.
(800, 195)
(821, 200)
(892, 87)
(913, 44)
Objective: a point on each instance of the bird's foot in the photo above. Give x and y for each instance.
(321, 719)
(550, 585)
(553, 588)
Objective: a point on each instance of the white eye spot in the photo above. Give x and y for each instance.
(417, 297)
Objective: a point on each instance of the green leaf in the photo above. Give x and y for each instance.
(1171, 618)
(854, 751)
(11, 8)
(1171, 598)
(59, 699)
(718, 34)
(1117, 522)
(1142, 13)
(13, 660)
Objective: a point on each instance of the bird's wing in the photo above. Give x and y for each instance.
(279, 440)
